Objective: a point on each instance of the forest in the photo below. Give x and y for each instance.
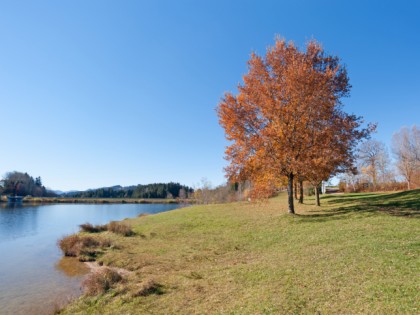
(23, 184)
(156, 190)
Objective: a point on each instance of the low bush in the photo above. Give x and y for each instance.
(120, 228)
(101, 281)
(89, 228)
(84, 247)
(113, 226)
(72, 245)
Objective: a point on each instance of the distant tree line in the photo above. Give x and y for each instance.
(157, 190)
(22, 184)
(205, 193)
(375, 170)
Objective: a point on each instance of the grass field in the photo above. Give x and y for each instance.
(357, 254)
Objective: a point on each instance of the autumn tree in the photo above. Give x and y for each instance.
(286, 108)
(331, 156)
(406, 147)
(300, 187)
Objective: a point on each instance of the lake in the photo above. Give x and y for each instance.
(34, 276)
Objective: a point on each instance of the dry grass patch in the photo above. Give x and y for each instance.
(114, 227)
(85, 248)
(149, 287)
(73, 245)
(120, 228)
(101, 281)
(89, 228)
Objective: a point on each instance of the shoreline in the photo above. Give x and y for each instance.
(38, 200)
(237, 257)
(95, 267)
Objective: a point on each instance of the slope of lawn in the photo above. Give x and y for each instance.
(358, 253)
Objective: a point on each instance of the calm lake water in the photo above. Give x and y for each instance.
(34, 277)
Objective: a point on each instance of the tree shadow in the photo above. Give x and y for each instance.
(402, 204)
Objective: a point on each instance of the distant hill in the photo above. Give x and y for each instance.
(157, 190)
(56, 192)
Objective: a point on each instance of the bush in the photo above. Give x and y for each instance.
(89, 228)
(120, 228)
(73, 245)
(84, 247)
(101, 281)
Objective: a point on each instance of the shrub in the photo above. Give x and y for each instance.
(77, 246)
(72, 245)
(89, 228)
(101, 281)
(120, 228)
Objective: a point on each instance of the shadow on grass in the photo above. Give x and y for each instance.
(402, 204)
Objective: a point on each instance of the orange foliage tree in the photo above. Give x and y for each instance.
(286, 115)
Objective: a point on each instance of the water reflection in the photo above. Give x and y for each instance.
(11, 205)
(72, 267)
(17, 220)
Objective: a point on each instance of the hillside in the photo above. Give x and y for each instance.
(357, 254)
(156, 190)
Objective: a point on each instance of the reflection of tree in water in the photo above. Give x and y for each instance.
(11, 205)
(17, 220)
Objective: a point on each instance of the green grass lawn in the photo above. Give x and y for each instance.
(358, 253)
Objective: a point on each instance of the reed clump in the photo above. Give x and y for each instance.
(89, 228)
(120, 228)
(114, 227)
(86, 248)
(101, 281)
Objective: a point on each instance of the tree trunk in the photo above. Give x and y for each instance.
(290, 193)
(374, 177)
(300, 191)
(296, 196)
(318, 202)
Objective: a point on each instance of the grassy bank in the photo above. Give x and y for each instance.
(359, 253)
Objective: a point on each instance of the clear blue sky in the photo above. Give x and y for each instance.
(97, 93)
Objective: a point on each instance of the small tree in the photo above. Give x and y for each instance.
(406, 148)
(374, 160)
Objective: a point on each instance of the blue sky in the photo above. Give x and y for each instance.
(98, 93)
